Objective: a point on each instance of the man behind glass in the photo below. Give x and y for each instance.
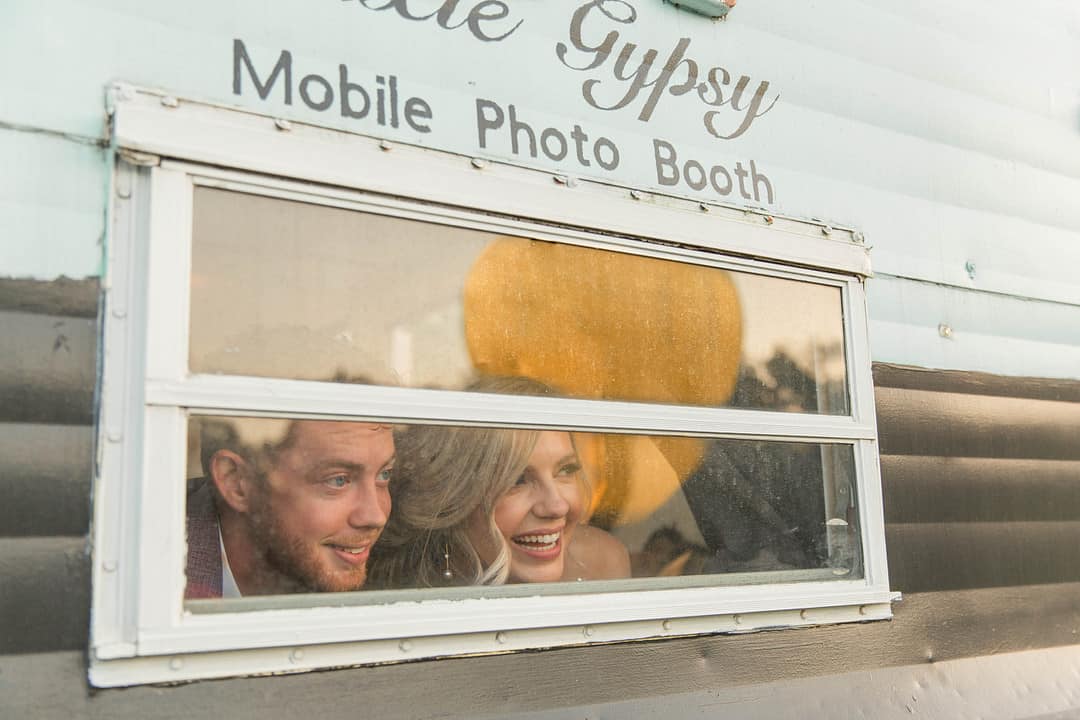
(286, 506)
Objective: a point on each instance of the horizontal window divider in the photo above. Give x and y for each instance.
(276, 628)
(252, 396)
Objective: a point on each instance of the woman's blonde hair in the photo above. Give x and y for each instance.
(442, 476)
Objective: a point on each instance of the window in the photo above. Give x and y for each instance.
(365, 404)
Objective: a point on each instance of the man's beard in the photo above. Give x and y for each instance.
(295, 562)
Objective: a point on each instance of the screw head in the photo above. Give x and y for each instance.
(945, 331)
(969, 266)
(282, 124)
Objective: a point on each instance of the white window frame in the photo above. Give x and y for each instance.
(140, 629)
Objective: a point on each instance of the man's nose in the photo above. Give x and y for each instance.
(370, 505)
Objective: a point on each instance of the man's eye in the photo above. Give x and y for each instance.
(386, 475)
(337, 482)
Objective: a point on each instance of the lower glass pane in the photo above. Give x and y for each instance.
(278, 507)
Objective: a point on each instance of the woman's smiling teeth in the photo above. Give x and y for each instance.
(546, 541)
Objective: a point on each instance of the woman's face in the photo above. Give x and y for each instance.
(536, 516)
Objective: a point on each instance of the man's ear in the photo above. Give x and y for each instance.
(234, 478)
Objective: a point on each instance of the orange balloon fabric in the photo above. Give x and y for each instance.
(608, 325)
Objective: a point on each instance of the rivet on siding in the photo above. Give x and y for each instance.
(666, 625)
(170, 102)
(108, 566)
(589, 631)
(405, 645)
(858, 238)
(863, 610)
(737, 619)
(945, 331)
(500, 637)
(119, 313)
(296, 655)
(636, 195)
(115, 436)
(123, 190)
(826, 229)
(479, 163)
(385, 145)
(282, 124)
(970, 267)
(803, 614)
(564, 180)
(176, 664)
(769, 220)
(703, 207)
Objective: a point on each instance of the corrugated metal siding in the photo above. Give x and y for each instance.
(48, 365)
(980, 476)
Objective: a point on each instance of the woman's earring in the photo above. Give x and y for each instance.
(446, 556)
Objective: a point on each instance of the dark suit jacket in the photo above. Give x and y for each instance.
(204, 543)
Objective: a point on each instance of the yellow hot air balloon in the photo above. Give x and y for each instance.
(615, 326)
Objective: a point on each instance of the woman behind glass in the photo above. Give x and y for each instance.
(488, 506)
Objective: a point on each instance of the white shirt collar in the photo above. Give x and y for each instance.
(229, 588)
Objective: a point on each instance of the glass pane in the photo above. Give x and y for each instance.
(283, 506)
(294, 290)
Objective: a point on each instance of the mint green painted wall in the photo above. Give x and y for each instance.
(52, 206)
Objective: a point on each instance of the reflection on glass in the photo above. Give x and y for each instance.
(282, 506)
(295, 290)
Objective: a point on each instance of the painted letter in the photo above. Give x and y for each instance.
(284, 65)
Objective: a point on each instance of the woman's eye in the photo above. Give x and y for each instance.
(521, 480)
(570, 469)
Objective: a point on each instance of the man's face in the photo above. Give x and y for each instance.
(323, 503)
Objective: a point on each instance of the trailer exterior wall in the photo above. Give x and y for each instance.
(946, 132)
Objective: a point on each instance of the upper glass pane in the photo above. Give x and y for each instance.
(288, 289)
